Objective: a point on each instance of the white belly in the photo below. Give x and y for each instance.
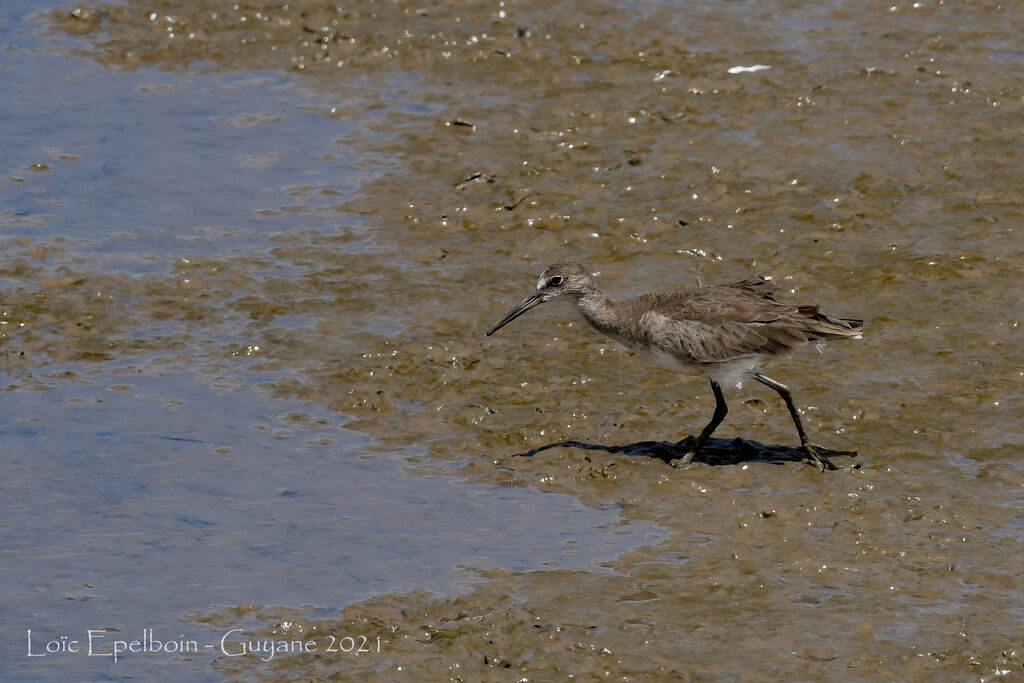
(727, 373)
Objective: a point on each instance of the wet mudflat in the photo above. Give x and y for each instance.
(359, 191)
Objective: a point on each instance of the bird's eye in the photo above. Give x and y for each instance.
(555, 281)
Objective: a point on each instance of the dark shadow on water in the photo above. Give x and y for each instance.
(715, 451)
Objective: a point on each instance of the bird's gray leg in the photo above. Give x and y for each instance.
(721, 410)
(821, 461)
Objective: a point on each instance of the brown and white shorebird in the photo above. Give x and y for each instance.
(723, 332)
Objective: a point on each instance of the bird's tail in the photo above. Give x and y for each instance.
(820, 326)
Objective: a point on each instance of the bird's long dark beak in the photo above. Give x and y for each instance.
(520, 308)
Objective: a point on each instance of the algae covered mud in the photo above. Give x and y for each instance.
(288, 226)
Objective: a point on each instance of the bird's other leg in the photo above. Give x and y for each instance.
(821, 461)
(721, 410)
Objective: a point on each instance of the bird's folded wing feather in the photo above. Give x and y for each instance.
(717, 324)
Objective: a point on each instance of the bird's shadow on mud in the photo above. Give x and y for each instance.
(715, 452)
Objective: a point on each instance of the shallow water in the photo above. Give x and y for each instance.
(316, 211)
(133, 505)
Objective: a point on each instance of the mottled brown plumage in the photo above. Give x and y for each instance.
(721, 331)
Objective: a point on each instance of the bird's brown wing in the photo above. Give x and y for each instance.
(720, 323)
(755, 285)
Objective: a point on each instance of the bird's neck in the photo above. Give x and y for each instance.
(598, 309)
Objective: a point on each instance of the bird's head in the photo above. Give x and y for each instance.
(562, 278)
